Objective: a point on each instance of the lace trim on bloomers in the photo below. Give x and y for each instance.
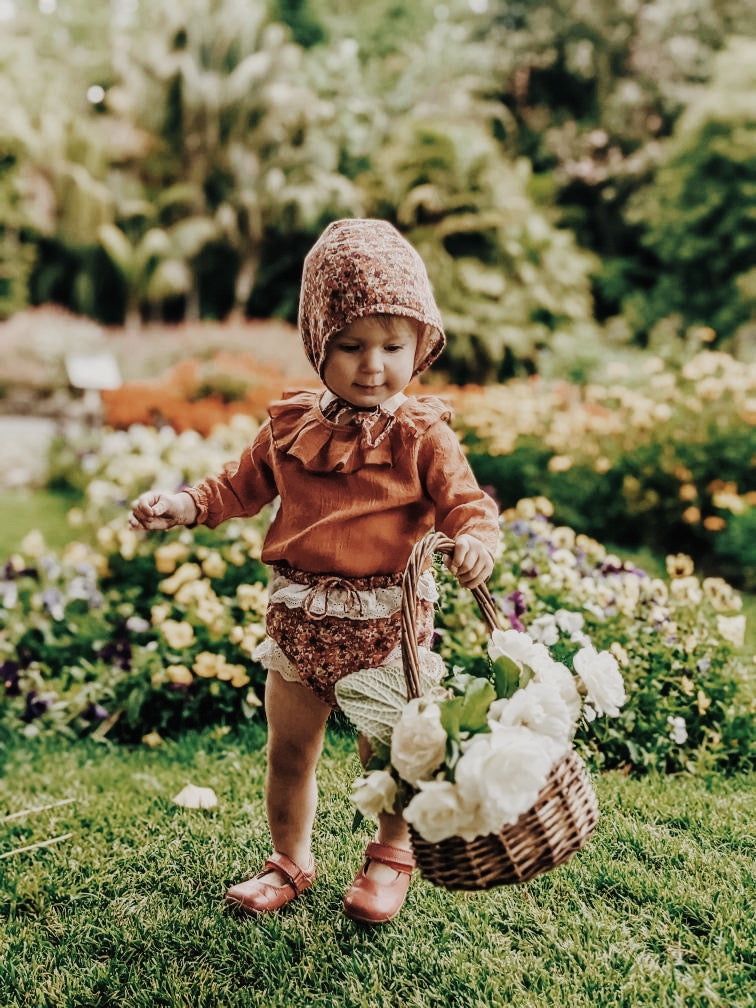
(335, 596)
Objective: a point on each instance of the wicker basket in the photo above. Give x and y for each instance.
(556, 827)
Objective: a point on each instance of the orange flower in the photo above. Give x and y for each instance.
(714, 523)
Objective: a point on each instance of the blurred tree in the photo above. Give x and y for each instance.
(63, 148)
(16, 251)
(594, 85)
(301, 18)
(699, 215)
(509, 283)
(224, 93)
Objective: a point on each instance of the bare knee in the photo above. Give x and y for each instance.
(291, 756)
(296, 727)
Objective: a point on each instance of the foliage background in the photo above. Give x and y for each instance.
(573, 173)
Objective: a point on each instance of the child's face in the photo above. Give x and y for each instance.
(371, 360)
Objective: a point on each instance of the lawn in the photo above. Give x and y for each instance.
(128, 910)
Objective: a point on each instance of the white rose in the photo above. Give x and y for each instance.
(503, 772)
(603, 681)
(418, 743)
(511, 644)
(375, 793)
(558, 678)
(438, 812)
(539, 707)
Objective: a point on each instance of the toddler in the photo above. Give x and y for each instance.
(362, 472)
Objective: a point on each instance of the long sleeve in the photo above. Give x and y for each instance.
(460, 504)
(241, 489)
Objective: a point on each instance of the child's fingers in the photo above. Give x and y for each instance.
(475, 575)
(471, 562)
(150, 511)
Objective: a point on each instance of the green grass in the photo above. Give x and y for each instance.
(129, 911)
(42, 509)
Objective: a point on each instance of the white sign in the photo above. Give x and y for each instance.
(93, 371)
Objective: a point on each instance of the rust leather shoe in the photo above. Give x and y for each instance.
(258, 896)
(376, 902)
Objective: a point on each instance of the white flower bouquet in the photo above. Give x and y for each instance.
(482, 768)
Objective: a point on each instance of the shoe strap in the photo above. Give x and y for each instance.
(395, 857)
(297, 878)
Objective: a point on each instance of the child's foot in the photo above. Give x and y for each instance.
(380, 887)
(278, 883)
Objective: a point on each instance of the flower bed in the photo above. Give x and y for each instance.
(134, 634)
(198, 394)
(655, 457)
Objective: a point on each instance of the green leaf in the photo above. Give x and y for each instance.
(477, 699)
(451, 715)
(459, 681)
(373, 699)
(506, 676)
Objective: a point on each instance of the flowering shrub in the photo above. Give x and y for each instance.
(134, 637)
(668, 464)
(471, 755)
(134, 634)
(157, 630)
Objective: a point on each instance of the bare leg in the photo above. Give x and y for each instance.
(296, 728)
(392, 829)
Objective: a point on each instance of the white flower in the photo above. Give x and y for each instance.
(418, 743)
(438, 811)
(603, 681)
(511, 644)
(558, 677)
(686, 591)
(569, 622)
(544, 629)
(677, 730)
(503, 772)
(538, 707)
(732, 629)
(375, 793)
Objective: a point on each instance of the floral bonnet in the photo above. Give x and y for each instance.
(362, 267)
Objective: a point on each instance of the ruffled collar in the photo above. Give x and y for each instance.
(373, 438)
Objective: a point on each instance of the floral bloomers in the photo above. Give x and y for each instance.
(321, 627)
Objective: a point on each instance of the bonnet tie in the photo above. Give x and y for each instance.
(375, 423)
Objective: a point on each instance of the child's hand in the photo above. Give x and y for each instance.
(158, 511)
(471, 563)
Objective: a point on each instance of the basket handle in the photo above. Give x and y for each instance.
(422, 552)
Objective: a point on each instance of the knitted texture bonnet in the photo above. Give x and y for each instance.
(362, 267)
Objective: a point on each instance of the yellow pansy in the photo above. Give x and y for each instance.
(186, 573)
(214, 566)
(169, 555)
(206, 665)
(178, 634)
(679, 565)
(252, 596)
(179, 674)
(160, 613)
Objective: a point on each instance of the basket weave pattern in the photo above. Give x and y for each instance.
(556, 827)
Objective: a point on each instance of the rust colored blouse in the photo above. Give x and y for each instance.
(352, 503)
